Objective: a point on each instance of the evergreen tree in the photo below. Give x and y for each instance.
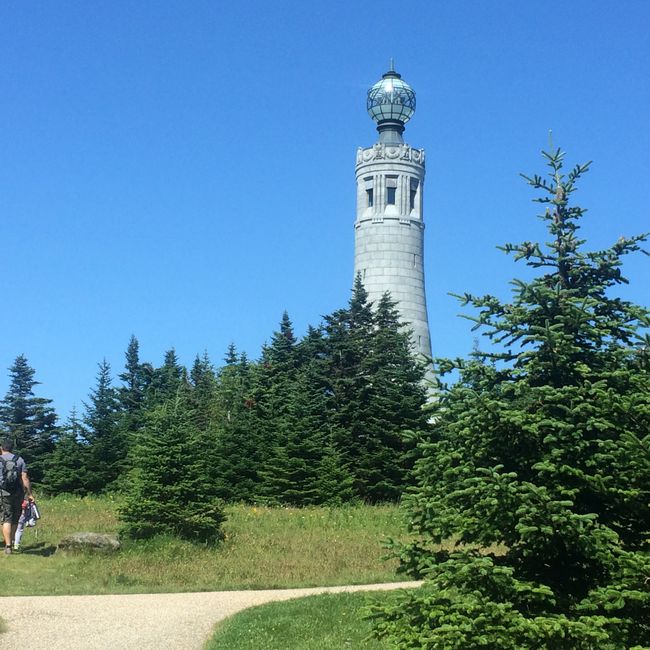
(202, 396)
(231, 357)
(135, 380)
(203, 381)
(168, 493)
(541, 448)
(107, 449)
(273, 384)
(66, 468)
(392, 405)
(348, 333)
(291, 475)
(376, 393)
(335, 482)
(131, 396)
(27, 419)
(165, 381)
(239, 452)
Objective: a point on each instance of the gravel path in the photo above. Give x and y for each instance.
(135, 621)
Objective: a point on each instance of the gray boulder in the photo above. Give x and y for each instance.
(96, 542)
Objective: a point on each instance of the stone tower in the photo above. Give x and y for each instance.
(389, 229)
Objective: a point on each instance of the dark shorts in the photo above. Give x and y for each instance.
(10, 507)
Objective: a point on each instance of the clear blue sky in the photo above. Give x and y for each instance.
(184, 171)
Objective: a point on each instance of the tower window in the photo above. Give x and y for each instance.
(413, 194)
(391, 190)
(370, 194)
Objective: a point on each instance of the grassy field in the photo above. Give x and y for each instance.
(264, 548)
(314, 623)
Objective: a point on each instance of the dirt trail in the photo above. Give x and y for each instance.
(136, 621)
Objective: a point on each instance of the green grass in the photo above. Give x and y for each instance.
(326, 622)
(264, 548)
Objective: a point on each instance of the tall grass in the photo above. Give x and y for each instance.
(264, 548)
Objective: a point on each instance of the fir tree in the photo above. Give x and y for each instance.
(542, 448)
(376, 393)
(335, 482)
(168, 492)
(134, 381)
(273, 384)
(203, 381)
(66, 468)
(29, 420)
(348, 334)
(239, 452)
(231, 357)
(131, 395)
(291, 474)
(202, 398)
(393, 404)
(166, 380)
(107, 450)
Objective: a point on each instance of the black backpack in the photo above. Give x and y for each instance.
(9, 474)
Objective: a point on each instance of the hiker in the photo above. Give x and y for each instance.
(14, 485)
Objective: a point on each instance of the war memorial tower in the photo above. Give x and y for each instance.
(389, 228)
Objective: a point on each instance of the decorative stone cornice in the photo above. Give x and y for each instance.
(381, 151)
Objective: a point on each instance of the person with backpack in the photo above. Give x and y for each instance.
(14, 485)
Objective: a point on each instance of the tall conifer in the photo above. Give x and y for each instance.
(376, 393)
(29, 420)
(239, 447)
(272, 393)
(107, 449)
(541, 449)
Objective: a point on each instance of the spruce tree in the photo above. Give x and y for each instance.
(394, 404)
(66, 468)
(107, 448)
(239, 452)
(334, 484)
(348, 333)
(168, 493)
(164, 381)
(273, 389)
(538, 470)
(376, 393)
(291, 475)
(29, 420)
(203, 381)
(134, 380)
(131, 394)
(202, 397)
